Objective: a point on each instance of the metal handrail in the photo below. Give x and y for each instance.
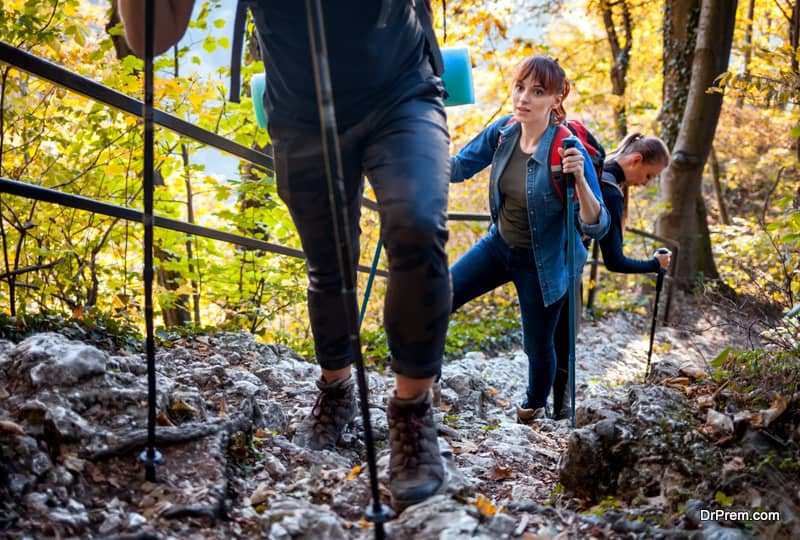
(595, 262)
(39, 193)
(84, 86)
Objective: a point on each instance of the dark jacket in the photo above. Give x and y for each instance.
(376, 53)
(611, 243)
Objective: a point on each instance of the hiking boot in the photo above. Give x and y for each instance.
(561, 400)
(416, 470)
(561, 404)
(334, 408)
(528, 416)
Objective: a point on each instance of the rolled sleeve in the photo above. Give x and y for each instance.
(597, 230)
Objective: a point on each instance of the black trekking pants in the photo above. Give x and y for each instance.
(403, 151)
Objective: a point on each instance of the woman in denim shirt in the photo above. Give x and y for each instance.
(638, 160)
(527, 241)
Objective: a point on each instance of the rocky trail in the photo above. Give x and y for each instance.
(645, 461)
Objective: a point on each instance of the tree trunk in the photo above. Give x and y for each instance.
(748, 48)
(684, 219)
(176, 314)
(120, 45)
(794, 34)
(794, 41)
(716, 178)
(680, 36)
(621, 56)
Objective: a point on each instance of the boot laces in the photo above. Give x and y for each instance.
(410, 437)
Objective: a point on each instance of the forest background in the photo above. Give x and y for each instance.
(718, 80)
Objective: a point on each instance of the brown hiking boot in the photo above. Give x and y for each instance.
(528, 416)
(334, 408)
(416, 471)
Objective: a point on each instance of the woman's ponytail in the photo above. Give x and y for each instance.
(652, 149)
(559, 113)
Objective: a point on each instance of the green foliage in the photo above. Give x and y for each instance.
(722, 499)
(771, 372)
(73, 262)
(112, 334)
(489, 324)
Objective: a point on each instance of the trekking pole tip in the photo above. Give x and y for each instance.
(382, 514)
(151, 457)
(378, 514)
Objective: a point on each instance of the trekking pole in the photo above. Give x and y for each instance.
(659, 285)
(150, 457)
(569, 179)
(378, 513)
(370, 280)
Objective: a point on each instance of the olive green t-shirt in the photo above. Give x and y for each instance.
(513, 219)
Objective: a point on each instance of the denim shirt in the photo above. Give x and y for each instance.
(546, 213)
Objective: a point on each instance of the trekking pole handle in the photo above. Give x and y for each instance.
(661, 271)
(566, 144)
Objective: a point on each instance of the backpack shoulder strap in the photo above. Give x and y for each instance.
(424, 15)
(236, 50)
(608, 179)
(597, 153)
(555, 161)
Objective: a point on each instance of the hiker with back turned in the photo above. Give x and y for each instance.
(392, 128)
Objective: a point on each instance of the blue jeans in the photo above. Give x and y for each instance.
(403, 151)
(491, 263)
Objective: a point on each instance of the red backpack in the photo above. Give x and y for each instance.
(571, 127)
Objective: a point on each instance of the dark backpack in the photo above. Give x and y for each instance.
(571, 127)
(423, 11)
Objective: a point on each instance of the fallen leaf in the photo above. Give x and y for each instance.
(734, 464)
(11, 427)
(503, 404)
(222, 412)
(354, 472)
(676, 381)
(163, 420)
(693, 371)
(183, 406)
(705, 401)
(485, 506)
(260, 494)
(491, 392)
(463, 447)
(531, 536)
(776, 409)
(364, 524)
(74, 463)
(499, 473)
